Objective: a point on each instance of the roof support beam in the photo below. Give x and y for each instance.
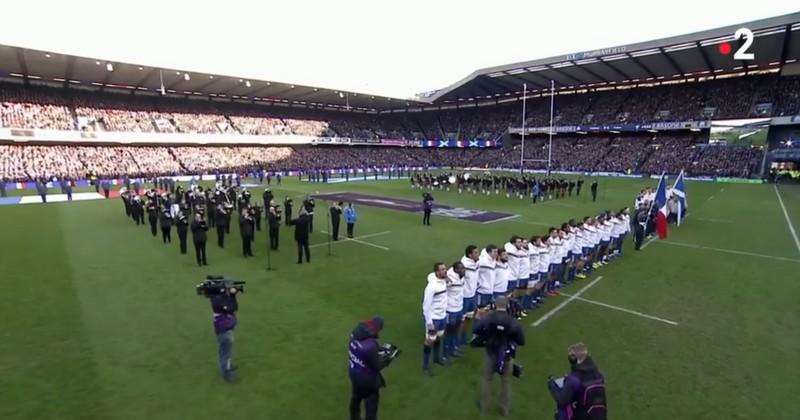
(565, 76)
(69, 70)
(23, 65)
(526, 81)
(591, 73)
(787, 40)
(672, 62)
(144, 79)
(616, 70)
(640, 64)
(709, 66)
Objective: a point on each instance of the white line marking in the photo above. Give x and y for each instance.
(502, 219)
(710, 198)
(716, 220)
(552, 312)
(649, 241)
(532, 223)
(731, 251)
(788, 221)
(358, 240)
(628, 311)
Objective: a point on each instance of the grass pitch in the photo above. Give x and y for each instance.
(100, 319)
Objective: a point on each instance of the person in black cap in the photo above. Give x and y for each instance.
(365, 368)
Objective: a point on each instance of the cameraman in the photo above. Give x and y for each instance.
(365, 367)
(501, 333)
(581, 395)
(224, 306)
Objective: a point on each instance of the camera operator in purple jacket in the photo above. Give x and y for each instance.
(367, 358)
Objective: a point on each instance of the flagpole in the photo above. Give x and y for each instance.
(550, 145)
(522, 148)
(653, 203)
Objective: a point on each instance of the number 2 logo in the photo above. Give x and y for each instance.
(741, 53)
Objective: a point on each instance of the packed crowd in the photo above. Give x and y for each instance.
(740, 97)
(623, 154)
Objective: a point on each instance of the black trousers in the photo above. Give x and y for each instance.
(258, 224)
(335, 224)
(350, 227)
(247, 246)
(311, 223)
(200, 252)
(273, 238)
(182, 238)
(228, 226)
(221, 236)
(594, 195)
(426, 219)
(166, 235)
(153, 228)
(370, 397)
(44, 198)
(638, 236)
(303, 247)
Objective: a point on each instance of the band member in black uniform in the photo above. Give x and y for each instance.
(222, 224)
(309, 205)
(199, 236)
(137, 209)
(301, 231)
(125, 196)
(267, 197)
(274, 221)
(152, 216)
(257, 210)
(182, 224)
(166, 226)
(287, 209)
(232, 197)
(246, 230)
(336, 219)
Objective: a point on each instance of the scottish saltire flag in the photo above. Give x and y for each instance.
(679, 189)
(661, 204)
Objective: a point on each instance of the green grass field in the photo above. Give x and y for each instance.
(101, 320)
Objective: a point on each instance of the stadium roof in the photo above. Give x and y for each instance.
(18, 63)
(776, 43)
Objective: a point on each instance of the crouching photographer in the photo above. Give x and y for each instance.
(367, 358)
(501, 334)
(221, 293)
(581, 394)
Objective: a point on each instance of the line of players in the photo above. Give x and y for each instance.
(526, 271)
(513, 185)
(195, 203)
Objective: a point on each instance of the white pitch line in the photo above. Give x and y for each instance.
(357, 240)
(788, 221)
(531, 223)
(731, 251)
(552, 312)
(621, 309)
(649, 241)
(502, 219)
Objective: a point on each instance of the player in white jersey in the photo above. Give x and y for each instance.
(525, 270)
(605, 237)
(455, 309)
(434, 311)
(536, 254)
(470, 261)
(616, 235)
(502, 274)
(486, 265)
(625, 216)
(512, 248)
(554, 243)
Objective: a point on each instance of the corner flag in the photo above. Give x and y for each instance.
(679, 189)
(661, 204)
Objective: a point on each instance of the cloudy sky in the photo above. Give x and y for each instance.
(393, 48)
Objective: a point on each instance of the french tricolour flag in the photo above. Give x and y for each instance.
(661, 205)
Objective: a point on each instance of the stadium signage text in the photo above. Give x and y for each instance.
(595, 53)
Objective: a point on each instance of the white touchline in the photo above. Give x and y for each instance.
(530, 223)
(731, 251)
(788, 221)
(649, 241)
(565, 303)
(367, 243)
(716, 220)
(628, 311)
(502, 219)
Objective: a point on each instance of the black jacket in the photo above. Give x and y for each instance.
(246, 226)
(336, 214)
(499, 328)
(301, 228)
(199, 230)
(581, 373)
(166, 221)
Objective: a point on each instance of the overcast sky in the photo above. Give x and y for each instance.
(393, 48)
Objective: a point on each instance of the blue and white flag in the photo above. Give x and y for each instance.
(679, 189)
